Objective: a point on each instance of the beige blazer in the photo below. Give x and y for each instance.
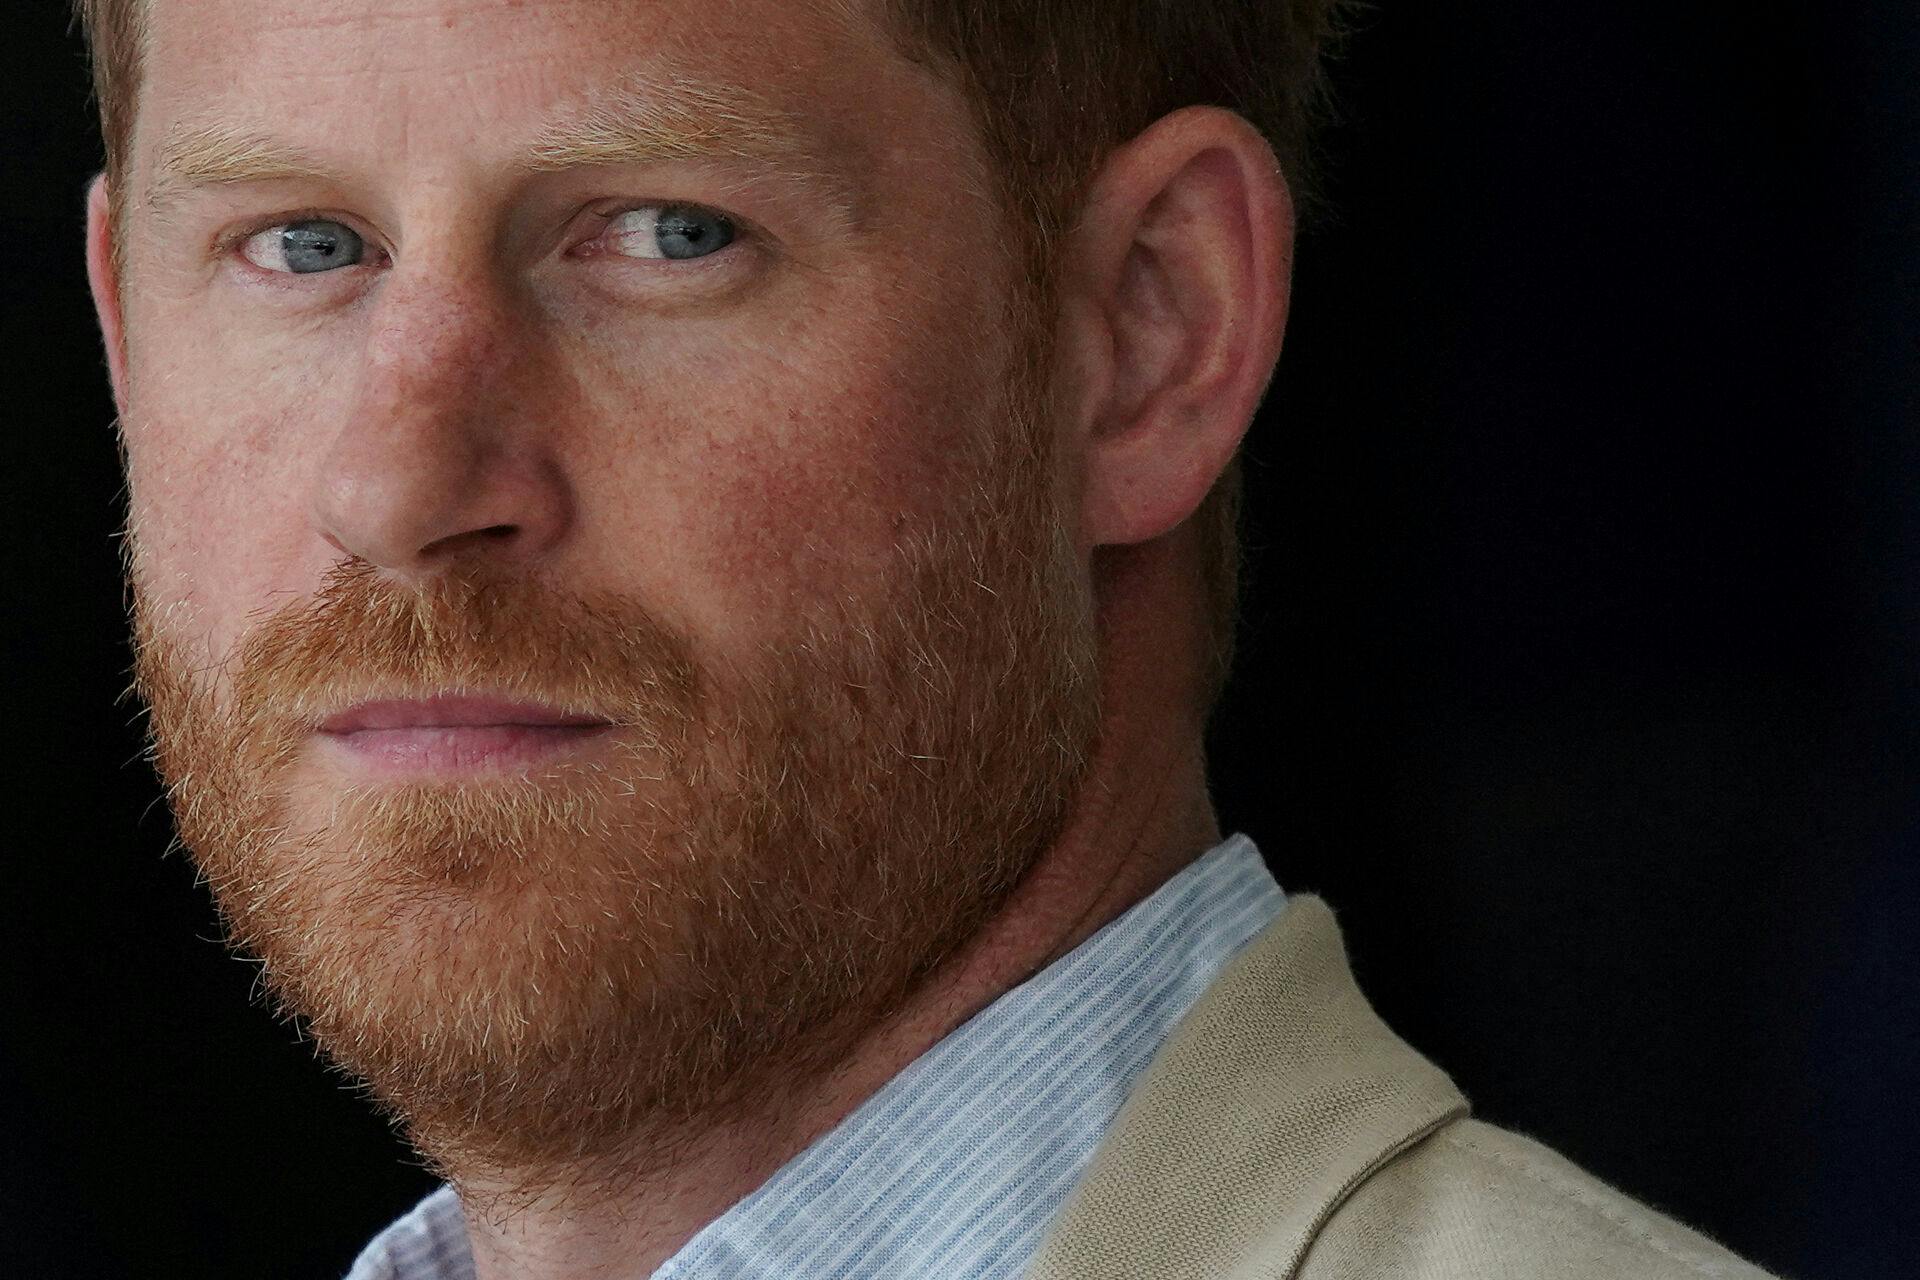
(1284, 1131)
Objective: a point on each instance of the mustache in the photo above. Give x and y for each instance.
(363, 636)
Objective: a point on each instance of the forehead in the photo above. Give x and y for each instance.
(406, 75)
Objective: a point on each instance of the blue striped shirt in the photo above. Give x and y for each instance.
(956, 1167)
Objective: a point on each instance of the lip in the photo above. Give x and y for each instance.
(457, 733)
(454, 711)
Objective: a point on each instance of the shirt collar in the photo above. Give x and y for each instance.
(958, 1165)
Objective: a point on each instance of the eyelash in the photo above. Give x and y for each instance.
(228, 247)
(747, 236)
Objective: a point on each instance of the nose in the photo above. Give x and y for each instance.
(443, 455)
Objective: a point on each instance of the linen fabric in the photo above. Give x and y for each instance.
(958, 1165)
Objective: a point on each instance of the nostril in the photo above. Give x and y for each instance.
(452, 544)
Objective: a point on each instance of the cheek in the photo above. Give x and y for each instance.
(789, 466)
(215, 453)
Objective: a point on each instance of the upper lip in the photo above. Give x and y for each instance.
(454, 711)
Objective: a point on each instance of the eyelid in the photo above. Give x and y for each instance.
(749, 237)
(746, 232)
(230, 243)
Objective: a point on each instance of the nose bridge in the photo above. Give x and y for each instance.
(437, 452)
(438, 340)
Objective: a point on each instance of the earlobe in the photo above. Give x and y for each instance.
(103, 276)
(1182, 263)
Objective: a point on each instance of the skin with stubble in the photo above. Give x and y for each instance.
(670, 620)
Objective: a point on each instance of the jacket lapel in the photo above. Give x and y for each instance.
(1276, 1095)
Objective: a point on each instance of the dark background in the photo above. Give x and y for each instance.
(1579, 675)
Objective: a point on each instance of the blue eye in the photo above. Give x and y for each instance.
(304, 248)
(670, 231)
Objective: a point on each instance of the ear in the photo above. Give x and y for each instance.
(104, 279)
(1173, 304)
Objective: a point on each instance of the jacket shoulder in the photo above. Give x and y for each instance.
(1472, 1200)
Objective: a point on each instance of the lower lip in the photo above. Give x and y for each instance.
(452, 749)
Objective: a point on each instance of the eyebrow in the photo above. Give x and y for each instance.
(653, 119)
(224, 155)
(667, 118)
(644, 120)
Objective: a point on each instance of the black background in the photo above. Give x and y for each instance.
(1579, 672)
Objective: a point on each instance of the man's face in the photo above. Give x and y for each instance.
(653, 367)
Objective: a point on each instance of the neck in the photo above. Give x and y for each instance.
(1142, 814)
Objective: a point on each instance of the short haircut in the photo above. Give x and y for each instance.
(1055, 85)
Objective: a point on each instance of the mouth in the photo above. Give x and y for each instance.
(456, 734)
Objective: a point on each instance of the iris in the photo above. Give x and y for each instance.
(319, 246)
